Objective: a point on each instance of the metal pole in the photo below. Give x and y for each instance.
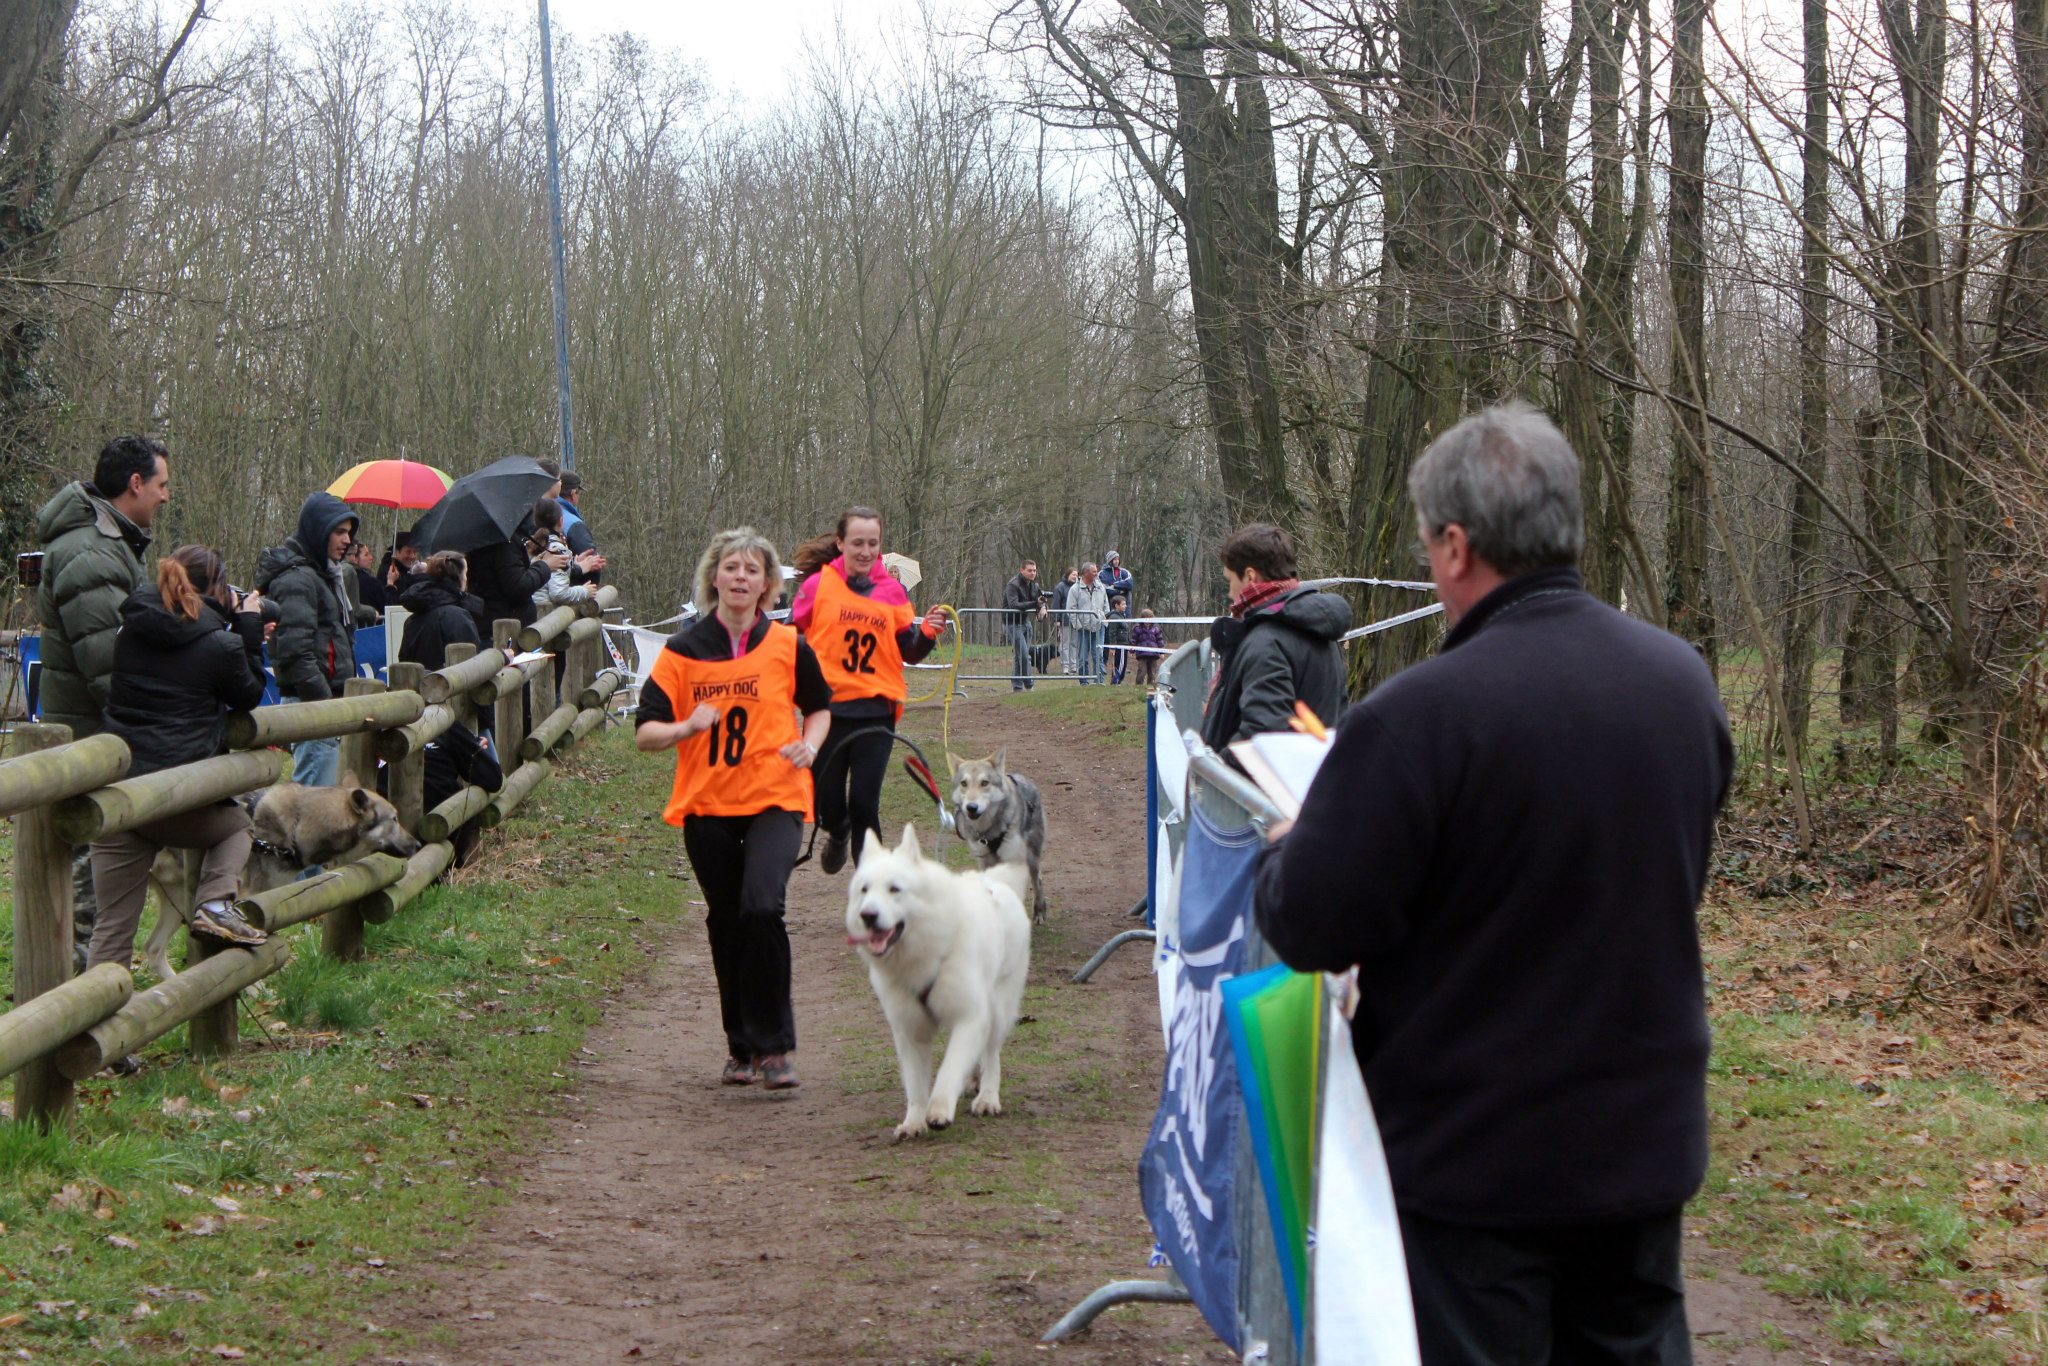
(547, 82)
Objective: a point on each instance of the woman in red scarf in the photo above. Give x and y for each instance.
(859, 622)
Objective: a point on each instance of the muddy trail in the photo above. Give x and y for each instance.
(666, 1218)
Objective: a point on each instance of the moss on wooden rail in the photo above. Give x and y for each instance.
(586, 722)
(517, 788)
(601, 689)
(549, 733)
(288, 722)
(297, 902)
(456, 679)
(451, 815)
(420, 871)
(38, 1026)
(435, 719)
(167, 792)
(168, 1004)
(547, 628)
(52, 775)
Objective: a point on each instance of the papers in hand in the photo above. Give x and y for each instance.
(527, 658)
(1283, 764)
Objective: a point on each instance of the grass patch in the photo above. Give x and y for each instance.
(1116, 715)
(270, 1200)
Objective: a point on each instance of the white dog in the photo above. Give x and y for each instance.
(945, 950)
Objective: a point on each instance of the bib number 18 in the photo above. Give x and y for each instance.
(729, 739)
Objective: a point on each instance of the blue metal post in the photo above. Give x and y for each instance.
(547, 81)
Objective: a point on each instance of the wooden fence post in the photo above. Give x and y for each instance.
(42, 932)
(542, 692)
(511, 715)
(341, 930)
(465, 714)
(214, 1031)
(576, 669)
(409, 774)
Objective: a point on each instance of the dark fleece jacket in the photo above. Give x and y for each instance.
(314, 649)
(1285, 651)
(1510, 841)
(439, 617)
(175, 681)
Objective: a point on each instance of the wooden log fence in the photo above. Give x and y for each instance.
(62, 794)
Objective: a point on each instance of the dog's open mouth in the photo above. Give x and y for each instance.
(879, 942)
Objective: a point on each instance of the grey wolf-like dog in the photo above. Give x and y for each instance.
(293, 828)
(1000, 815)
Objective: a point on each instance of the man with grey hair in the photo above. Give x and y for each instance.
(1509, 841)
(1087, 613)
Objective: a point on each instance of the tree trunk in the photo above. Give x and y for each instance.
(1688, 605)
(1802, 615)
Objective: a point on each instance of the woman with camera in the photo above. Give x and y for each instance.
(190, 651)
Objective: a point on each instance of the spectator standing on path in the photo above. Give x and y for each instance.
(93, 535)
(1510, 841)
(1061, 622)
(742, 795)
(1116, 634)
(558, 591)
(1024, 600)
(365, 592)
(1115, 577)
(400, 564)
(439, 614)
(1088, 610)
(1277, 645)
(575, 530)
(186, 657)
(859, 622)
(1148, 635)
(504, 576)
(313, 652)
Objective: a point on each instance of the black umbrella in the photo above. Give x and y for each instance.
(483, 508)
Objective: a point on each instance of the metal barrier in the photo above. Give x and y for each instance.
(1225, 800)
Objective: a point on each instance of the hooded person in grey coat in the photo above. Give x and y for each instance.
(313, 652)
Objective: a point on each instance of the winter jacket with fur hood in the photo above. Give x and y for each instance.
(314, 650)
(92, 561)
(1286, 650)
(175, 681)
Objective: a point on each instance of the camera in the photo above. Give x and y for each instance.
(28, 568)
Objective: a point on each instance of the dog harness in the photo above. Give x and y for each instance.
(736, 768)
(855, 640)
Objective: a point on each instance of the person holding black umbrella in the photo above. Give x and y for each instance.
(488, 515)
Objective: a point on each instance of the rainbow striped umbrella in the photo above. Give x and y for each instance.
(391, 484)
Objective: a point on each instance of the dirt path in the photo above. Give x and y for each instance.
(669, 1219)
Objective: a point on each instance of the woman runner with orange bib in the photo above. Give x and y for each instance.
(738, 681)
(859, 620)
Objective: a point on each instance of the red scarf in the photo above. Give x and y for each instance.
(1257, 595)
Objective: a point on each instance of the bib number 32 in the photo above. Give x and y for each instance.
(730, 739)
(860, 652)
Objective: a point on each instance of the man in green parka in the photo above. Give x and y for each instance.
(94, 535)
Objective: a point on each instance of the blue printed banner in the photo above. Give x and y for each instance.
(1189, 1162)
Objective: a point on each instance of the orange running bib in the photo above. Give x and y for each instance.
(736, 768)
(855, 640)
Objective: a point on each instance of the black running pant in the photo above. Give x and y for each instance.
(743, 864)
(849, 770)
(1595, 1295)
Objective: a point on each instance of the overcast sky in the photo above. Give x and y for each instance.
(748, 47)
